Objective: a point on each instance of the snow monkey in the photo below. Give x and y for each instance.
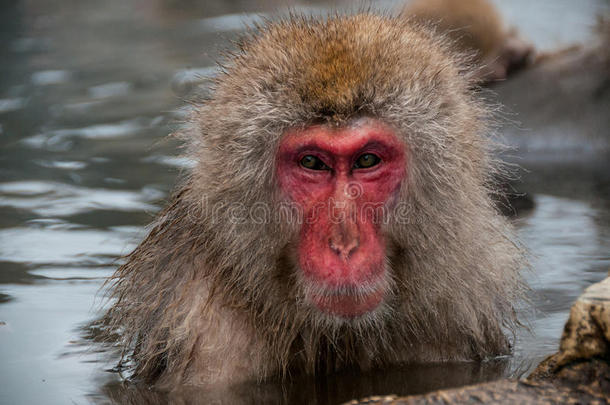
(338, 216)
(476, 26)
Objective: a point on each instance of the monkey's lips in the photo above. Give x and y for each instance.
(348, 305)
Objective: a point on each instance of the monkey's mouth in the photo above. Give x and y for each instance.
(349, 304)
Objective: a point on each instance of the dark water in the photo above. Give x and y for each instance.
(88, 91)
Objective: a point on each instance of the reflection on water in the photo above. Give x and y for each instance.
(334, 389)
(88, 91)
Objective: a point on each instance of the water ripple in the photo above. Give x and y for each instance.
(53, 199)
(56, 246)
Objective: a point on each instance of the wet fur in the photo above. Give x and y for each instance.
(204, 300)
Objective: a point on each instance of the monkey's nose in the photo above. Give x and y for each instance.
(344, 246)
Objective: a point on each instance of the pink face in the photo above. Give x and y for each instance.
(342, 179)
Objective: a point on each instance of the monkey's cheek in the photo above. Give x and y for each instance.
(348, 305)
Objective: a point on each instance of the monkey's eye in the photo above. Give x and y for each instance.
(367, 160)
(313, 163)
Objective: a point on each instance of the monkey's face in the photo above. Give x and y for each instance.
(343, 181)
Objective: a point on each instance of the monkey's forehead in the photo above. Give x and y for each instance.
(340, 65)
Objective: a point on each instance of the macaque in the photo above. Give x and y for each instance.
(339, 215)
(475, 26)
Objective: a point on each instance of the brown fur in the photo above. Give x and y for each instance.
(208, 300)
(476, 26)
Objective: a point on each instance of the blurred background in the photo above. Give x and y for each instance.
(90, 89)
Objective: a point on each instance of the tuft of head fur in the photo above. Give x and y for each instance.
(211, 297)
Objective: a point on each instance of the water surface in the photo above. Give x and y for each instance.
(88, 92)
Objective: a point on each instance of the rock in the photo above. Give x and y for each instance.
(578, 373)
(497, 392)
(583, 359)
